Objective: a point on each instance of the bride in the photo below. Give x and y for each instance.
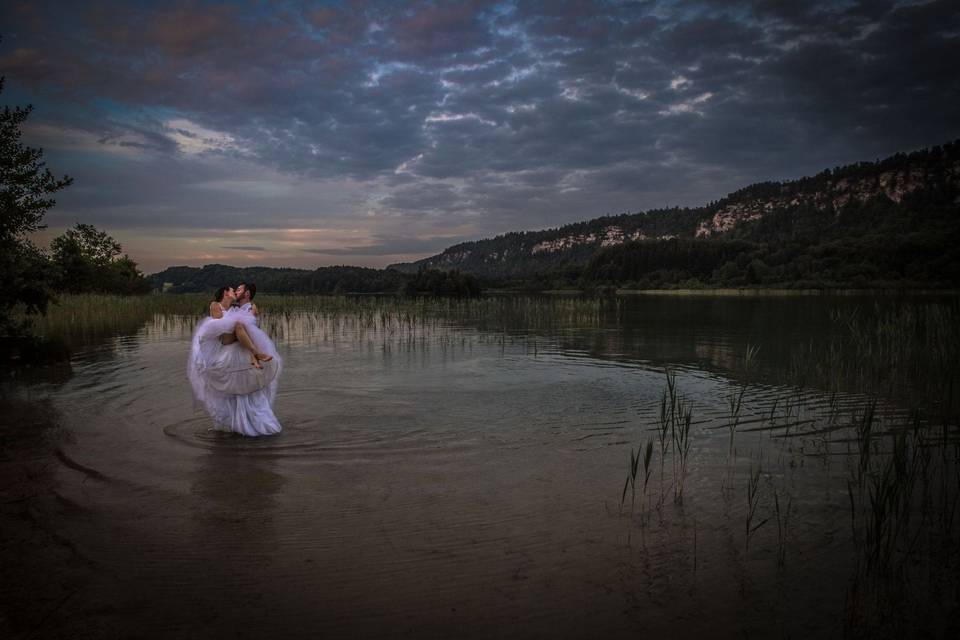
(233, 368)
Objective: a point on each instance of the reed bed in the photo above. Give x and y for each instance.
(878, 392)
(86, 319)
(388, 322)
(910, 353)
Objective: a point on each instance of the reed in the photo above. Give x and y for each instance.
(735, 398)
(735, 405)
(85, 319)
(906, 352)
(864, 427)
(902, 494)
(783, 522)
(680, 431)
(631, 481)
(673, 430)
(753, 501)
(668, 402)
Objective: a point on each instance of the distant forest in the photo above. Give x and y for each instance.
(887, 224)
(325, 280)
(872, 244)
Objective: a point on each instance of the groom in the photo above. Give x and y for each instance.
(244, 302)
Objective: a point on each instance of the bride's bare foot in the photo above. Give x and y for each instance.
(263, 357)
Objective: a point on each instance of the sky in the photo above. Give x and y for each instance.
(367, 132)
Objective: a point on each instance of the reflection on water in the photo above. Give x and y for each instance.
(454, 469)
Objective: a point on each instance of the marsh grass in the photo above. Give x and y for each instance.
(668, 400)
(389, 322)
(849, 394)
(735, 406)
(673, 431)
(902, 493)
(672, 428)
(631, 481)
(903, 484)
(92, 318)
(682, 417)
(782, 515)
(753, 501)
(909, 352)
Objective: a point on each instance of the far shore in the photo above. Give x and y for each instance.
(743, 292)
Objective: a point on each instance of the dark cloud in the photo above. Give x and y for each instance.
(470, 117)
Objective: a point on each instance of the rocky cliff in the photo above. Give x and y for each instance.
(930, 173)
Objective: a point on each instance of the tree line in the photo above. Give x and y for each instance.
(805, 237)
(874, 243)
(80, 260)
(323, 280)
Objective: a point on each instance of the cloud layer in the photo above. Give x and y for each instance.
(367, 132)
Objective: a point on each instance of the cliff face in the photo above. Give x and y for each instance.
(834, 194)
(894, 179)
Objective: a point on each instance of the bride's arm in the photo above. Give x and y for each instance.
(216, 311)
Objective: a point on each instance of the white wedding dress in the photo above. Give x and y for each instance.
(238, 396)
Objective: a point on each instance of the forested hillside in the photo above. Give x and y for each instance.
(889, 223)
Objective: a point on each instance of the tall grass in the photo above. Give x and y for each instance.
(910, 353)
(903, 495)
(782, 514)
(682, 415)
(753, 501)
(87, 319)
(631, 480)
(91, 318)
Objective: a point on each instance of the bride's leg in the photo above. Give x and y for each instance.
(247, 343)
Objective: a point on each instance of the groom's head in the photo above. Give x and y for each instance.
(246, 291)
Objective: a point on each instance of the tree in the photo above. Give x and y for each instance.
(88, 259)
(26, 185)
(96, 246)
(125, 278)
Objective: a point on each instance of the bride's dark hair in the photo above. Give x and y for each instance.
(218, 296)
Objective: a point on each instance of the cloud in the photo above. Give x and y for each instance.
(244, 248)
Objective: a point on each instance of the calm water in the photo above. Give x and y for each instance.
(437, 476)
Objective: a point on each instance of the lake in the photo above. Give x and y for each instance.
(463, 469)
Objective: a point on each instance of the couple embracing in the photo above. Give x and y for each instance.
(234, 366)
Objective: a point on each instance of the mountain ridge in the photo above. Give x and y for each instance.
(896, 179)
